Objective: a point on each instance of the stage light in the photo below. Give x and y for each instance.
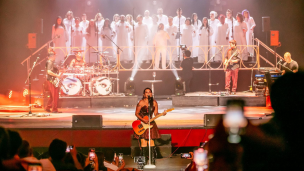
(179, 87)
(25, 92)
(129, 87)
(10, 94)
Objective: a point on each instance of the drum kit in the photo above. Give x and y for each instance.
(86, 80)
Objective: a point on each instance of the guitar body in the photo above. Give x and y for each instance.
(55, 81)
(140, 127)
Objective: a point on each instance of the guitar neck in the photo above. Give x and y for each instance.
(151, 120)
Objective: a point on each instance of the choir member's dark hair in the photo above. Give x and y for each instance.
(188, 19)
(109, 24)
(222, 15)
(145, 91)
(77, 18)
(88, 30)
(207, 24)
(192, 19)
(245, 10)
(61, 24)
(240, 16)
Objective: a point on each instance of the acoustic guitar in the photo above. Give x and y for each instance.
(139, 127)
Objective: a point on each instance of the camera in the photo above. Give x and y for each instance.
(140, 160)
(183, 47)
(185, 155)
(69, 148)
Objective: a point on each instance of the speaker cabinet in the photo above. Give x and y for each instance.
(265, 24)
(211, 120)
(31, 40)
(87, 121)
(274, 38)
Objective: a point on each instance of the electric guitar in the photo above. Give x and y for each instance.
(55, 80)
(226, 64)
(139, 127)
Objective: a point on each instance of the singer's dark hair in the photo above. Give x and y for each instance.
(109, 26)
(61, 24)
(192, 19)
(145, 91)
(240, 16)
(207, 24)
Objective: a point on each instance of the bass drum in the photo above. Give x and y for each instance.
(71, 86)
(101, 86)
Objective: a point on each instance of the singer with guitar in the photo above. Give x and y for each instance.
(51, 74)
(142, 110)
(231, 67)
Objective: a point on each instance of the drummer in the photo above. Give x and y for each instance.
(78, 62)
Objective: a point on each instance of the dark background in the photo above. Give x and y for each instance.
(20, 17)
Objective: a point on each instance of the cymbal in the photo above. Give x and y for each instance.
(105, 52)
(97, 52)
(78, 51)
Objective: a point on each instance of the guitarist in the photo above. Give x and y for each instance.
(142, 109)
(51, 73)
(232, 64)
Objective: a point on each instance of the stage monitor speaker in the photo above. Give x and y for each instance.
(274, 38)
(211, 120)
(31, 41)
(265, 24)
(87, 121)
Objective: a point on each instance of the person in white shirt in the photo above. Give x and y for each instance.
(239, 34)
(99, 21)
(213, 23)
(69, 22)
(152, 31)
(160, 43)
(161, 17)
(84, 24)
(60, 37)
(116, 18)
(205, 32)
(147, 19)
(197, 25)
(91, 40)
(172, 31)
(221, 39)
(229, 20)
(77, 34)
(179, 18)
(122, 30)
(132, 23)
(107, 34)
(249, 34)
(141, 32)
(187, 34)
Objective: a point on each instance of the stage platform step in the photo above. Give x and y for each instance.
(206, 99)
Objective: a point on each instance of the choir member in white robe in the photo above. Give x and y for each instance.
(249, 34)
(205, 32)
(108, 34)
(160, 43)
(179, 18)
(60, 38)
(229, 20)
(140, 36)
(116, 19)
(147, 19)
(239, 34)
(213, 23)
(131, 22)
(122, 30)
(99, 21)
(152, 31)
(197, 25)
(69, 22)
(187, 34)
(171, 29)
(221, 38)
(91, 39)
(77, 35)
(84, 25)
(161, 17)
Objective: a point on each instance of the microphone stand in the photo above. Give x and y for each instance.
(133, 35)
(30, 84)
(208, 63)
(232, 25)
(97, 33)
(118, 60)
(179, 43)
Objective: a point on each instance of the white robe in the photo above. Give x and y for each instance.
(229, 22)
(188, 33)
(176, 21)
(249, 34)
(160, 41)
(172, 51)
(130, 42)
(77, 37)
(68, 25)
(162, 19)
(84, 26)
(221, 35)
(91, 40)
(204, 42)
(240, 38)
(152, 32)
(141, 32)
(148, 21)
(60, 42)
(107, 44)
(213, 24)
(197, 26)
(99, 25)
(122, 40)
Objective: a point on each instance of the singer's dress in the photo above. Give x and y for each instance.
(154, 130)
